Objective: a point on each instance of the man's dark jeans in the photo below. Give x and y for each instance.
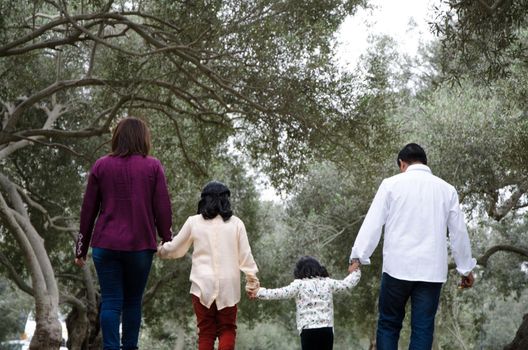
(393, 297)
(122, 277)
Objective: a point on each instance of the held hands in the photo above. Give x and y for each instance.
(467, 281)
(252, 286)
(158, 252)
(252, 294)
(354, 265)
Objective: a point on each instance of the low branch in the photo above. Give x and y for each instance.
(149, 294)
(73, 301)
(27, 137)
(56, 145)
(15, 276)
(50, 221)
(483, 260)
(69, 276)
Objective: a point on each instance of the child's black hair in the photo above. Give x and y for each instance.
(215, 201)
(309, 267)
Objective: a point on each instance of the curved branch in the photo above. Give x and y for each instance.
(483, 260)
(73, 301)
(14, 275)
(37, 278)
(55, 145)
(32, 133)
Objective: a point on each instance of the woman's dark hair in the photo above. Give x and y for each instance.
(131, 136)
(412, 153)
(309, 267)
(215, 201)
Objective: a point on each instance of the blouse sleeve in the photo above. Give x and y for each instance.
(245, 258)
(162, 206)
(179, 245)
(89, 211)
(349, 282)
(290, 291)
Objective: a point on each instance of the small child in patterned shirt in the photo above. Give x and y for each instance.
(312, 290)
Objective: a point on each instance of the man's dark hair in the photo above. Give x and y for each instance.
(412, 153)
(215, 201)
(309, 267)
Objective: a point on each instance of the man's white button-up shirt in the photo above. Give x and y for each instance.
(417, 209)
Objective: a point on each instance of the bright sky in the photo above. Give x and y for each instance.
(405, 20)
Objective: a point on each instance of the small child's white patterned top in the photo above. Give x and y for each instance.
(313, 297)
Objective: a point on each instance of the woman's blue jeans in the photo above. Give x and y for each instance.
(122, 278)
(394, 294)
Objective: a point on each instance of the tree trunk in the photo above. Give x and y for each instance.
(83, 320)
(520, 342)
(83, 329)
(48, 331)
(78, 329)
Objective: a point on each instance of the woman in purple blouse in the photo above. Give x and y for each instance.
(127, 201)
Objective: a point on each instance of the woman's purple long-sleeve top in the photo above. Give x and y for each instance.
(129, 198)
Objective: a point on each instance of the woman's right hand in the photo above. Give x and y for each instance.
(158, 252)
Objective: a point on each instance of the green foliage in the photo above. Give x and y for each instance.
(482, 38)
(227, 86)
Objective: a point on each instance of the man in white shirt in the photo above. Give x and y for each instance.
(417, 209)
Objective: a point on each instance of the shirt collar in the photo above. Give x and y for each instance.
(421, 167)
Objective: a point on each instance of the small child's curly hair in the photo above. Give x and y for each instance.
(309, 267)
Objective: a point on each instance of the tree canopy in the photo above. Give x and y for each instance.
(233, 90)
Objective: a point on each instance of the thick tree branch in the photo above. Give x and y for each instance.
(37, 278)
(499, 212)
(53, 145)
(7, 50)
(483, 260)
(73, 301)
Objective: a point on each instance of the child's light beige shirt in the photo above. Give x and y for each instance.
(221, 251)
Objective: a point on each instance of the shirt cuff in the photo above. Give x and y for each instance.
(355, 255)
(363, 261)
(466, 270)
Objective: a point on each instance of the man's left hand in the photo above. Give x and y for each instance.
(467, 281)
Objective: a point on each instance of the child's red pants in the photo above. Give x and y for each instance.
(214, 323)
